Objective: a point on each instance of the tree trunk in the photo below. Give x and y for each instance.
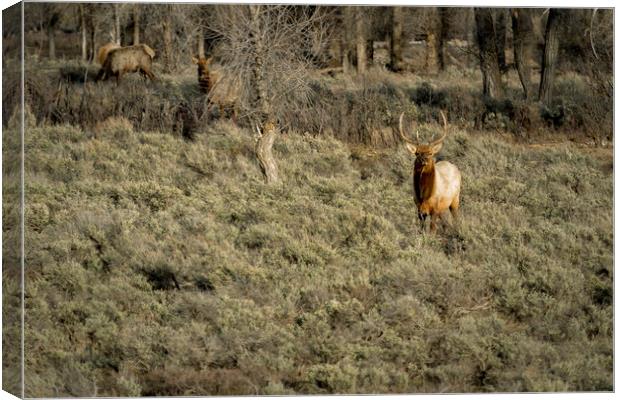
(360, 41)
(261, 101)
(396, 36)
(136, 24)
(264, 153)
(167, 28)
(348, 48)
(92, 45)
(522, 29)
(370, 51)
(443, 36)
(201, 42)
(500, 38)
(491, 78)
(433, 42)
(83, 33)
(117, 25)
(51, 41)
(550, 55)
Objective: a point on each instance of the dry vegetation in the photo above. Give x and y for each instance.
(160, 263)
(161, 266)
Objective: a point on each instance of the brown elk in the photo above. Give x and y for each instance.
(137, 58)
(204, 75)
(219, 95)
(436, 185)
(102, 54)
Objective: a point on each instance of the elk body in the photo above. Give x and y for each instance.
(204, 75)
(122, 60)
(219, 95)
(102, 54)
(436, 185)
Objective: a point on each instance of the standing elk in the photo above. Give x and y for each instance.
(219, 95)
(436, 185)
(204, 75)
(122, 60)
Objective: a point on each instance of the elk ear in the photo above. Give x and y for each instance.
(194, 60)
(208, 61)
(412, 149)
(436, 147)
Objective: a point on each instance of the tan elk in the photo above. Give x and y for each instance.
(436, 185)
(209, 82)
(102, 54)
(123, 60)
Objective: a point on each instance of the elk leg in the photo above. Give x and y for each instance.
(434, 218)
(454, 210)
(100, 75)
(150, 75)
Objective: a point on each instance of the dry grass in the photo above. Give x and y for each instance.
(158, 266)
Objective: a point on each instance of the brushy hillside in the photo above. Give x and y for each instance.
(158, 266)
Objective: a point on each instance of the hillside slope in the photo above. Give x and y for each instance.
(158, 266)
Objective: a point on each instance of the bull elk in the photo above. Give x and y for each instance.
(436, 185)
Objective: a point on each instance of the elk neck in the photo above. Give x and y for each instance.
(423, 180)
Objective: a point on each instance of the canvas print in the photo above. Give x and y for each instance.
(254, 199)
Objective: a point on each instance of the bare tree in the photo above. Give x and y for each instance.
(522, 31)
(265, 50)
(550, 55)
(491, 77)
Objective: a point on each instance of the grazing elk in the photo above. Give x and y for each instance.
(204, 75)
(137, 58)
(436, 185)
(102, 54)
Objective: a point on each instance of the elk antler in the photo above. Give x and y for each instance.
(445, 130)
(402, 135)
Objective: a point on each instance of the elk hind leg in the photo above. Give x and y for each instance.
(454, 210)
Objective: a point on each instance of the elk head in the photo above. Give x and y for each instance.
(436, 185)
(204, 78)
